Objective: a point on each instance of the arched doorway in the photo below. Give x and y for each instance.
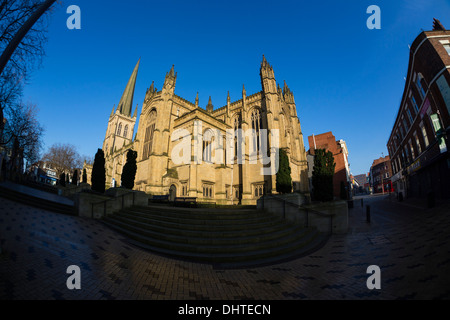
(172, 192)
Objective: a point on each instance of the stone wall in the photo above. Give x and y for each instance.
(97, 206)
(326, 217)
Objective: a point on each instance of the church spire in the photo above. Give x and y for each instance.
(126, 102)
(196, 100)
(112, 112)
(209, 106)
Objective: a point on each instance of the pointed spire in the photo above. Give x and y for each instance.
(196, 100)
(112, 112)
(126, 102)
(243, 90)
(209, 106)
(172, 71)
(228, 97)
(135, 111)
(152, 87)
(264, 61)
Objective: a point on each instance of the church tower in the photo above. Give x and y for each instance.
(121, 123)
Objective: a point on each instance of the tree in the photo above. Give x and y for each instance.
(84, 176)
(22, 124)
(284, 180)
(62, 179)
(322, 178)
(22, 39)
(62, 158)
(75, 177)
(129, 170)
(98, 178)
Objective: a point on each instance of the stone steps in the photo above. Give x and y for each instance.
(226, 238)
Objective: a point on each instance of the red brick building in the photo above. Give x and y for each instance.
(380, 175)
(339, 150)
(418, 144)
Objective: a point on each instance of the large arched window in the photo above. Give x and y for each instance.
(256, 126)
(125, 131)
(208, 137)
(119, 130)
(237, 124)
(149, 133)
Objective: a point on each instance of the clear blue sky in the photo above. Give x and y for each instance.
(346, 78)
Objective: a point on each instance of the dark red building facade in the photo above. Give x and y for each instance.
(418, 144)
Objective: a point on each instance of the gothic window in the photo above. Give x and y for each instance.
(207, 191)
(184, 190)
(237, 124)
(207, 146)
(149, 134)
(256, 126)
(119, 130)
(125, 131)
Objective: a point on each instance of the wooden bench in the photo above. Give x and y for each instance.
(159, 199)
(185, 202)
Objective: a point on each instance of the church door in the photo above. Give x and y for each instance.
(172, 192)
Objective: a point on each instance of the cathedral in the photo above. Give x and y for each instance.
(221, 182)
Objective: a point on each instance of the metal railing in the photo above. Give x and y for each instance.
(104, 202)
(301, 208)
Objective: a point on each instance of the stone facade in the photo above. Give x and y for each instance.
(219, 181)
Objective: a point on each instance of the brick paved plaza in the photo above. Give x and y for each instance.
(409, 242)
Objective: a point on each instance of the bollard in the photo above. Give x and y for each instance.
(368, 214)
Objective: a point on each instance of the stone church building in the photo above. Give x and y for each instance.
(164, 112)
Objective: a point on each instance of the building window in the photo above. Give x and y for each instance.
(207, 146)
(149, 134)
(125, 131)
(402, 133)
(414, 103)
(413, 156)
(447, 48)
(259, 190)
(405, 124)
(237, 126)
(424, 134)
(411, 119)
(119, 130)
(256, 126)
(207, 191)
(420, 86)
(406, 155)
(419, 148)
(148, 141)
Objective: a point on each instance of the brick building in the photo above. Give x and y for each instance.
(418, 142)
(339, 150)
(380, 175)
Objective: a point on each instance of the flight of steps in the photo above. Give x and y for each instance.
(223, 237)
(36, 201)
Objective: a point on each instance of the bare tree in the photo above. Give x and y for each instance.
(63, 158)
(22, 124)
(23, 28)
